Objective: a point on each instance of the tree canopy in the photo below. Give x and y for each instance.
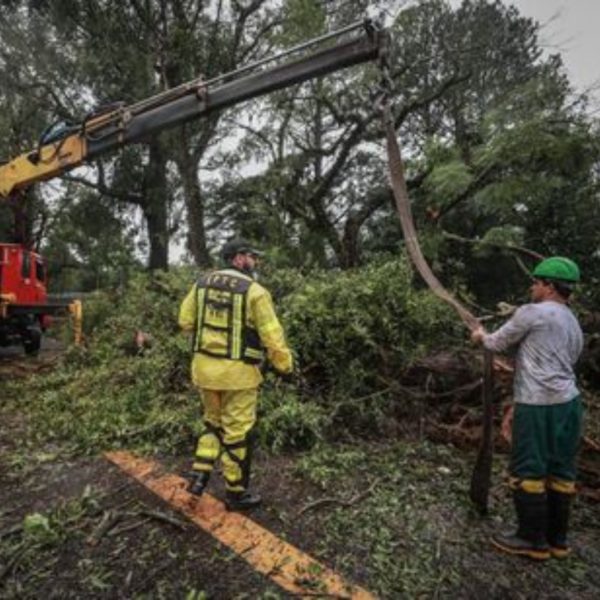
(501, 152)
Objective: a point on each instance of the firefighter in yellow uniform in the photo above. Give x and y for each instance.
(234, 324)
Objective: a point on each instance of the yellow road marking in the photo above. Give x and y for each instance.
(285, 564)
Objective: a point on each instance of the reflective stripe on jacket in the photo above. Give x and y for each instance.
(215, 373)
(222, 329)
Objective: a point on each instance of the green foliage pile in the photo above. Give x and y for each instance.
(361, 327)
(350, 332)
(109, 394)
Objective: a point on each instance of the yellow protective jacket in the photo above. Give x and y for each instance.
(214, 373)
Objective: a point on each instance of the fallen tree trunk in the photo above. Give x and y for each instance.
(482, 473)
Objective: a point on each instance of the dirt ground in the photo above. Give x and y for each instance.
(150, 549)
(106, 535)
(390, 517)
(146, 550)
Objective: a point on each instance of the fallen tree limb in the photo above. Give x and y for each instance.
(160, 516)
(11, 531)
(481, 477)
(346, 503)
(109, 520)
(397, 388)
(125, 528)
(510, 247)
(480, 480)
(590, 444)
(14, 559)
(398, 182)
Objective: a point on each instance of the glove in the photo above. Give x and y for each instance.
(290, 377)
(268, 370)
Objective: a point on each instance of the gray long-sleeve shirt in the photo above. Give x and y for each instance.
(549, 341)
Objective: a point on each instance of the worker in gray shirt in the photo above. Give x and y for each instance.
(548, 410)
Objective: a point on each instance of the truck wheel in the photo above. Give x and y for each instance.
(32, 341)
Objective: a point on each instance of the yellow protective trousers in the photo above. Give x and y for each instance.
(229, 416)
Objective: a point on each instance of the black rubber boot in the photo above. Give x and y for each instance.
(198, 483)
(245, 500)
(530, 538)
(559, 509)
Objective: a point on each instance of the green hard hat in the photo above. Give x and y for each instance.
(559, 268)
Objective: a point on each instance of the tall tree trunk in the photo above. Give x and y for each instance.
(195, 209)
(350, 245)
(155, 207)
(24, 208)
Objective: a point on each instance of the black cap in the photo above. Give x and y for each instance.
(238, 246)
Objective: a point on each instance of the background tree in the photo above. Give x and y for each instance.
(498, 151)
(153, 47)
(88, 247)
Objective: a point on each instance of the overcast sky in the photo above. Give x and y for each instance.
(571, 28)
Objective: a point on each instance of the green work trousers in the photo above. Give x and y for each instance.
(546, 440)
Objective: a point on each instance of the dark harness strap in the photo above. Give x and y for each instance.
(239, 338)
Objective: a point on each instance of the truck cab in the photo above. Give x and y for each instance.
(23, 296)
(23, 273)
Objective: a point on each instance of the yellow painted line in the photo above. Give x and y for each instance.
(286, 565)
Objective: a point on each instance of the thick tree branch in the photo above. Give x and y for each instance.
(479, 182)
(103, 189)
(509, 247)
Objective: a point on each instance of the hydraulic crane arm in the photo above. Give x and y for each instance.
(123, 125)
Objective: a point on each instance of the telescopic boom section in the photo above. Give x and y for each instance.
(102, 133)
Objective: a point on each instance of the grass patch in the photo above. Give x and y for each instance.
(416, 534)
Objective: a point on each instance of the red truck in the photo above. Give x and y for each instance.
(25, 312)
